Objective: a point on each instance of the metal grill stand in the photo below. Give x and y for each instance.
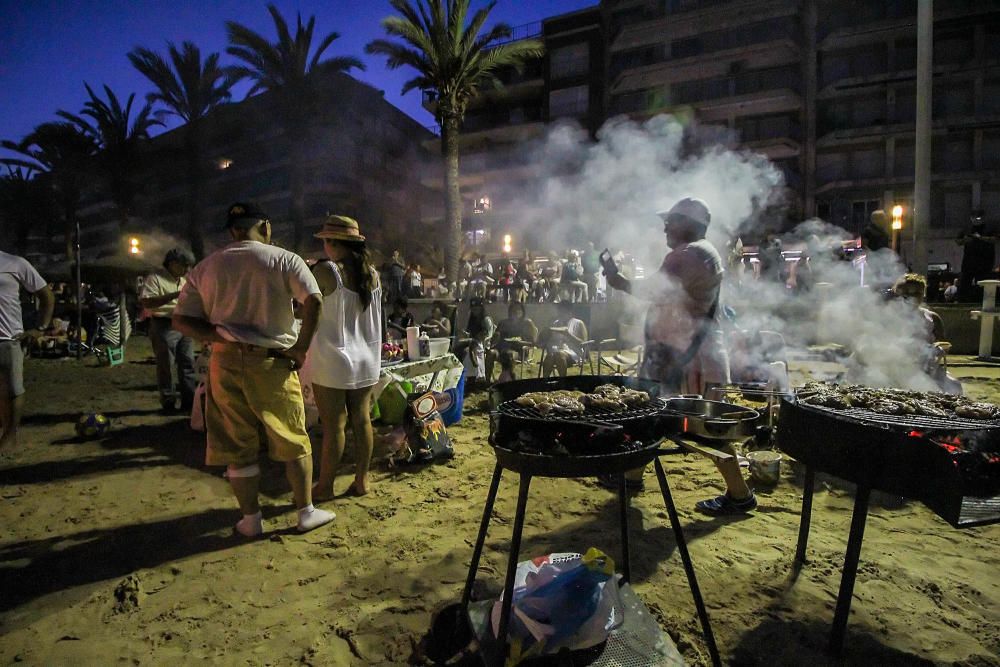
(497, 655)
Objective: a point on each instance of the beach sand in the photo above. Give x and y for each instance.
(120, 551)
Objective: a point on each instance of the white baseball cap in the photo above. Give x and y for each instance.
(693, 209)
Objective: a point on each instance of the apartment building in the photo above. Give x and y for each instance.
(736, 66)
(865, 112)
(364, 159)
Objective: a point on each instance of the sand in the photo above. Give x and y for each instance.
(119, 550)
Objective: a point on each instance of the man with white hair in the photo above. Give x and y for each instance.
(685, 350)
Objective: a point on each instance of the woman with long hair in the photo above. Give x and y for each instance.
(345, 356)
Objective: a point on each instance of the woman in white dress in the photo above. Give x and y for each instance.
(345, 355)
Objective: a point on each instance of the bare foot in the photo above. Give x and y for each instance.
(356, 489)
(322, 492)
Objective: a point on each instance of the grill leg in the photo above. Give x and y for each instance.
(515, 547)
(623, 520)
(484, 525)
(858, 520)
(805, 518)
(675, 523)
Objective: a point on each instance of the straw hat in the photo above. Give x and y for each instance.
(341, 228)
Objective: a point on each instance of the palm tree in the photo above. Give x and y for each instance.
(26, 204)
(286, 68)
(119, 139)
(62, 154)
(454, 60)
(188, 88)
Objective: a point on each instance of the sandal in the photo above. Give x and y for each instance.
(726, 504)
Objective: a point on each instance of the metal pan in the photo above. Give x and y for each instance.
(714, 420)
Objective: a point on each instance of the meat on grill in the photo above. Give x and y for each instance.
(895, 401)
(605, 398)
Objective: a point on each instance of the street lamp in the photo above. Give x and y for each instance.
(506, 243)
(134, 246)
(897, 225)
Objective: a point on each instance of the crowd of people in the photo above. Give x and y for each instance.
(265, 313)
(573, 276)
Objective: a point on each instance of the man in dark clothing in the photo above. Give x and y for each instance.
(978, 259)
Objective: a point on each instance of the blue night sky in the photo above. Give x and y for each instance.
(51, 47)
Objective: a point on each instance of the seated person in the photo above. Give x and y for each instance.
(564, 341)
(399, 319)
(437, 325)
(513, 335)
(572, 284)
(912, 287)
(471, 348)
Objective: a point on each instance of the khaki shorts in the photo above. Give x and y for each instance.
(11, 369)
(248, 392)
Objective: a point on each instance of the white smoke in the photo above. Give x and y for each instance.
(608, 191)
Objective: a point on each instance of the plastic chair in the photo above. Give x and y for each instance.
(618, 357)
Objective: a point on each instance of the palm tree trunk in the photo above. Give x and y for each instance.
(297, 129)
(452, 197)
(195, 184)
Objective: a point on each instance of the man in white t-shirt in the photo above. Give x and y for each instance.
(17, 273)
(158, 298)
(564, 341)
(239, 299)
(684, 347)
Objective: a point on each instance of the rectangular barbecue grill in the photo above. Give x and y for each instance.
(952, 465)
(596, 442)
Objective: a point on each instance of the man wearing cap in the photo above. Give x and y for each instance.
(158, 297)
(239, 299)
(17, 273)
(684, 349)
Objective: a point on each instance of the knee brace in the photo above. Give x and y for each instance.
(251, 470)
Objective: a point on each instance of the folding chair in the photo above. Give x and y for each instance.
(113, 330)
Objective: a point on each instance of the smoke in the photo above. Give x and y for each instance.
(608, 191)
(156, 243)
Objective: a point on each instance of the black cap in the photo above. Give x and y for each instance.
(244, 214)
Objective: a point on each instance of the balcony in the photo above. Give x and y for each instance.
(760, 57)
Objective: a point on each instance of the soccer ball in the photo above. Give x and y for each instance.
(92, 425)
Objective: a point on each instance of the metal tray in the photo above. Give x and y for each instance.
(714, 420)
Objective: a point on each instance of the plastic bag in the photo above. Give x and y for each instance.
(563, 600)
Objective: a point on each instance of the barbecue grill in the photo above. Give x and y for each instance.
(580, 445)
(952, 465)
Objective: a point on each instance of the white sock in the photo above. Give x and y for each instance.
(311, 517)
(251, 525)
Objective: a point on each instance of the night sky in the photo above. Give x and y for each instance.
(51, 47)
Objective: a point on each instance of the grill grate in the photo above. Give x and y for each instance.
(591, 416)
(907, 422)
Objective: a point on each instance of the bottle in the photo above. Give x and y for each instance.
(413, 343)
(425, 345)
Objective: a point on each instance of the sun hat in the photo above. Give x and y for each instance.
(693, 209)
(341, 228)
(244, 214)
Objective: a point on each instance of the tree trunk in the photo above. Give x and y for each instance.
(296, 187)
(452, 197)
(196, 177)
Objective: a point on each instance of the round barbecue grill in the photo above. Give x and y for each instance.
(577, 445)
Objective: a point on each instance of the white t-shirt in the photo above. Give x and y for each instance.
(15, 273)
(157, 284)
(246, 290)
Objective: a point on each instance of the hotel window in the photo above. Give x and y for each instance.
(570, 61)
(573, 101)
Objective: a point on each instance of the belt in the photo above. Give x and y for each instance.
(270, 352)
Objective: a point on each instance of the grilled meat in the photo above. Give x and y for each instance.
(895, 401)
